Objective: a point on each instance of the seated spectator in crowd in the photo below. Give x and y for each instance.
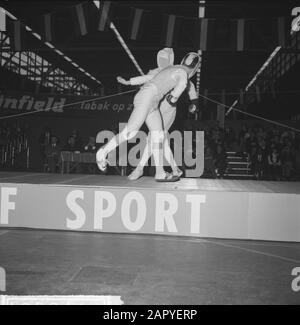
(52, 154)
(251, 138)
(258, 142)
(72, 145)
(78, 140)
(252, 154)
(252, 150)
(3, 135)
(220, 161)
(14, 142)
(262, 144)
(274, 164)
(287, 159)
(44, 141)
(243, 135)
(261, 133)
(250, 141)
(276, 141)
(229, 137)
(91, 146)
(215, 138)
(209, 163)
(259, 163)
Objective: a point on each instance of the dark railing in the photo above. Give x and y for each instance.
(12, 150)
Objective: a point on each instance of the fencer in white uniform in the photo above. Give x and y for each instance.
(165, 58)
(170, 81)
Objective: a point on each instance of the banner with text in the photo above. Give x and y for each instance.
(16, 102)
(124, 209)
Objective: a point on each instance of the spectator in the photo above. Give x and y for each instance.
(52, 154)
(274, 164)
(259, 163)
(220, 161)
(44, 141)
(229, 137)
(91, 148)
(78, 140)
(13, 145)
(209, 163)
(287, 159)
(261, 133)
(259, 142)
(91, 145)
(72, 145)
(249, 142)
(251, 145)
(242, 136)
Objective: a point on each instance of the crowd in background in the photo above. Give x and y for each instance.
(10, 132)
(51, 148)
(14, 144)
(273, 153)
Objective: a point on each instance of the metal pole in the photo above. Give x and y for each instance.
(201, 14)
(122, 42)
(27, 160)
(272, 55)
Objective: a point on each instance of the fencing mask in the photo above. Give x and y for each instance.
(192, 61)
(165, 57)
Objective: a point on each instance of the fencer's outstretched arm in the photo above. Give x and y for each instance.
(136, 80)
(143, 79)
(181, 78)
(140, 80)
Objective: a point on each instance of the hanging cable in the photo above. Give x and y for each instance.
(249, 114)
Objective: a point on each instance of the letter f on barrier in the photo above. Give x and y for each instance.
(2, 279)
